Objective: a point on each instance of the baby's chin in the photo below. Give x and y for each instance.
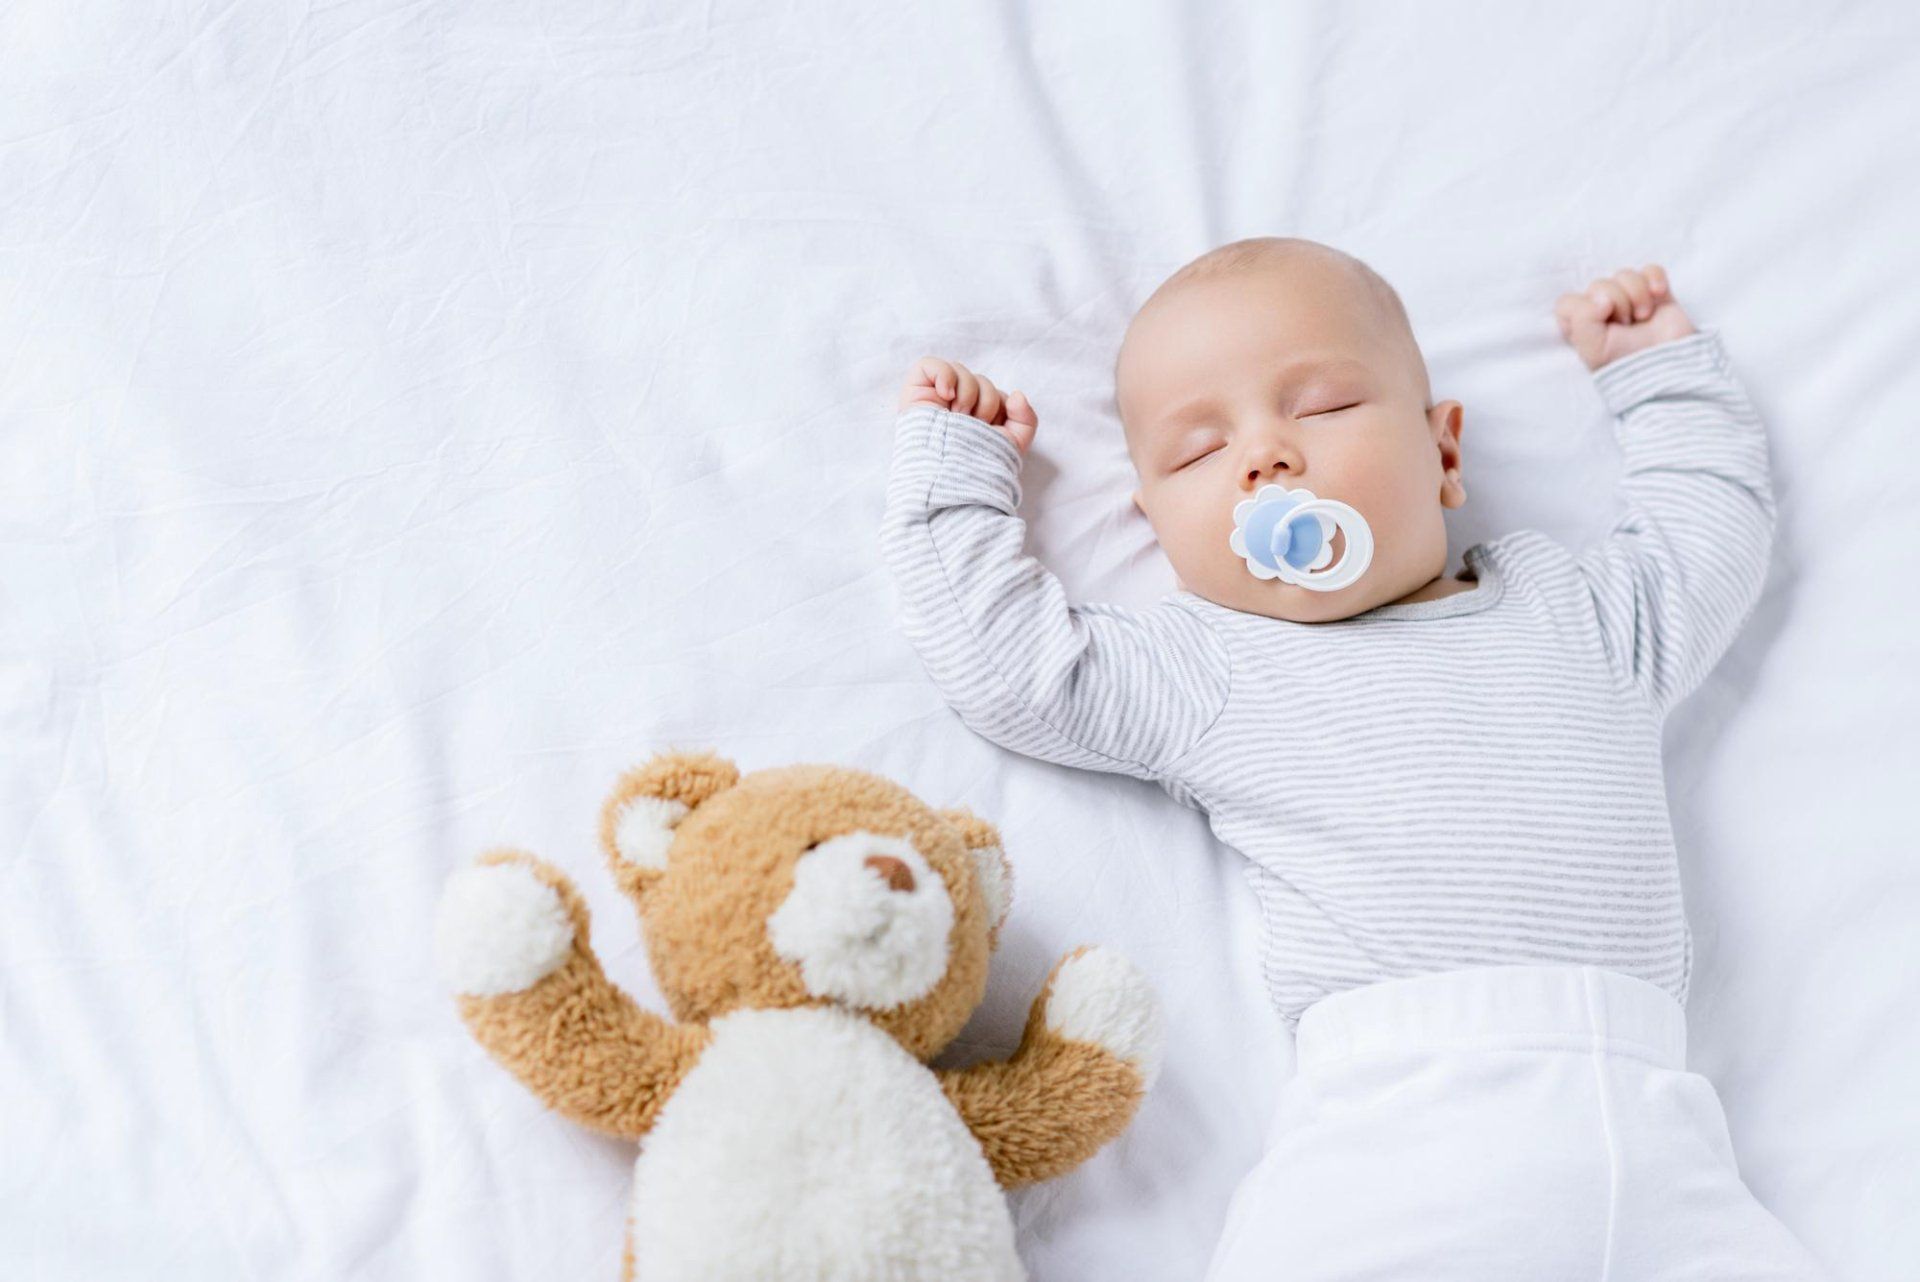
(1288, 601)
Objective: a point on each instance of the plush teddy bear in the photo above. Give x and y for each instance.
(820, 934)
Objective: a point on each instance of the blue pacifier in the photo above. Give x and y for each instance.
(1288, 535)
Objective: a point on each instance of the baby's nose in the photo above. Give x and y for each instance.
(1264, 465)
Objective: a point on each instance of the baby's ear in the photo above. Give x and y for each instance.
(648, 803)
(982, 841)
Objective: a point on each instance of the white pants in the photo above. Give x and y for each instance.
(1500, 1122)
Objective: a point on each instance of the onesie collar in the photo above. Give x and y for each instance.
(1479, 559)
(1491, 588)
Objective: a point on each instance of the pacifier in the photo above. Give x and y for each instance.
(1288, 535)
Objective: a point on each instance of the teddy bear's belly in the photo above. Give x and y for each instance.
(808, 1144)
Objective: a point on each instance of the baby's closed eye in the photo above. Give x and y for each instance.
(1319, 403)
(1199, 454)
(1330, 409)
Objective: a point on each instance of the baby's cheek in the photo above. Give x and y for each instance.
(1412, 516)
(1193, 529)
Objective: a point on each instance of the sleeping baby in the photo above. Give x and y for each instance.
(1448, 789)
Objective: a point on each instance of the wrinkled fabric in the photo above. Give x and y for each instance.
(414, 414)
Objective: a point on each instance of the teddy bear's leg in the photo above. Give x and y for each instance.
(1091, 1049)
(511, 940)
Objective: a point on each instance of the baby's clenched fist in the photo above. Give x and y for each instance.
(953, 386)
(1621, 314)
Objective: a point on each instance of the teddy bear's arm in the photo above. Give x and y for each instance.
(512, 941)
(1091, 1048)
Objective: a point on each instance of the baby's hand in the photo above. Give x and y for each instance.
(955, 387)
(1621, 314)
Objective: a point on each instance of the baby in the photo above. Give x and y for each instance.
(1448, 789)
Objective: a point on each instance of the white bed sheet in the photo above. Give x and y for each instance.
(414, 413)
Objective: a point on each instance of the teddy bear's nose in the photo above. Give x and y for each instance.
(892, 871)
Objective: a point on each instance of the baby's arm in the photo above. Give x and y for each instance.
(1090, 686)
(1681, 569)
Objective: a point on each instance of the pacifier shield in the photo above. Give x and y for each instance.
(1288, 535)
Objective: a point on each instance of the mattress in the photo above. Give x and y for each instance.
(415, 414)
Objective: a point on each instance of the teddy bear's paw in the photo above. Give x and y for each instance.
(500, 929)
(1098, 996)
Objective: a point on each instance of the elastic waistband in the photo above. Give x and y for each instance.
(1579, 1007)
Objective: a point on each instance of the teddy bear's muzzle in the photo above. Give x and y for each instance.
(867, 921)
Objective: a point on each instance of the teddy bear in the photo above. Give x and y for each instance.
(820, 934)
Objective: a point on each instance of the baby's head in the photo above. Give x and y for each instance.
(1277, 361)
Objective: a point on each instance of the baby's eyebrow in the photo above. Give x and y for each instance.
(1294, 371)
(1190, 410)
(1299, 369)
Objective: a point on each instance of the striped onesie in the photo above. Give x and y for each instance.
(1467, 781)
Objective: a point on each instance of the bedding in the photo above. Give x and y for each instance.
(414, 414)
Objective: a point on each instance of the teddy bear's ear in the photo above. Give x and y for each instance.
(982, 840)
(638, 819)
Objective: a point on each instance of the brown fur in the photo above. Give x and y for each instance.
(588, 1051)
(977, 834)
(1049, 1108)
(579, 1043)
(732, 863)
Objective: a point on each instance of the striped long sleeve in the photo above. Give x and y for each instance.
(1469, 780)
(1092, 686)
(1682, 568)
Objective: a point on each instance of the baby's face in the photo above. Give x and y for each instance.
(1288, 374)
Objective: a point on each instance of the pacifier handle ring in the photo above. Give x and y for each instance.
(1353, 561)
